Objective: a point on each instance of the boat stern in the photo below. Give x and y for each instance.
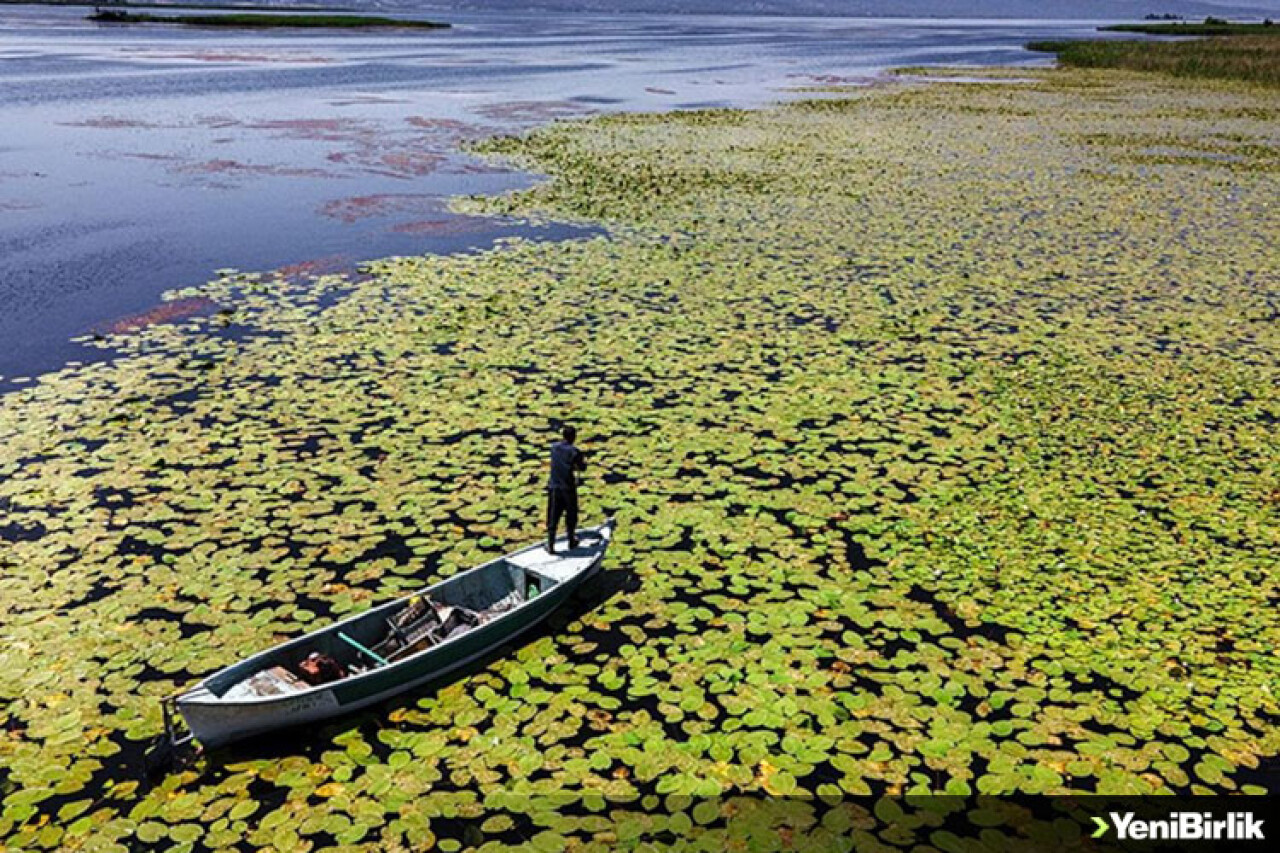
(214, 721)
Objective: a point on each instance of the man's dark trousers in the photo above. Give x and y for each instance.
(562, 502)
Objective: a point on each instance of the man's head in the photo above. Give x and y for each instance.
(570, 434)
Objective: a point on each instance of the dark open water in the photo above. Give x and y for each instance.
(134, 160)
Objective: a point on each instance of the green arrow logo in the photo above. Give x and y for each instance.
(1102, 828)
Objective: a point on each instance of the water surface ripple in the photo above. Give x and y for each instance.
(134, 160)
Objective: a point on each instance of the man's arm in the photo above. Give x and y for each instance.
(579, 461)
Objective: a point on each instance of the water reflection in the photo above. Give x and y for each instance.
(138, 159)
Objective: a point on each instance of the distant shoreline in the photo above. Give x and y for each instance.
(1222, 28)
(230, 7)
(263, 21)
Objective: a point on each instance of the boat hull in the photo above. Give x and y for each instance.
(215, 722)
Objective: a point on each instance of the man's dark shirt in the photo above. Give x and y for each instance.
(565, 459)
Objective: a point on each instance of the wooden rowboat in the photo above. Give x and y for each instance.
(379, 653)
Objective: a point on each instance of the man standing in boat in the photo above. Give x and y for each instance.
(562, 488)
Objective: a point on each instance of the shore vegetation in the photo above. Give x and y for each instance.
(1249, 58)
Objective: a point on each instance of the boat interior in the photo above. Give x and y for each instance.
(387, 634)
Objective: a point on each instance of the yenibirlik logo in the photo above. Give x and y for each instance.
(1183, 826)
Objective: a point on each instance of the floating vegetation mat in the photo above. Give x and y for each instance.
(940, 422)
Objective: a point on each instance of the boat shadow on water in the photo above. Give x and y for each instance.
(311, 741)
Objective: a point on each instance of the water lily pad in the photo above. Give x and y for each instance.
(937, 467)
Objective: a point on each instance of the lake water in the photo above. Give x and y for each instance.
(138, 159)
